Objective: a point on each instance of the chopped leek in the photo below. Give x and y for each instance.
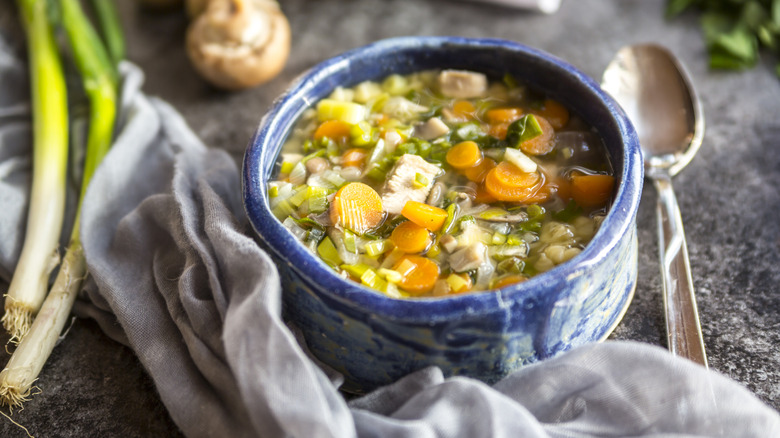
(350, 112)
(395, 85)
(420, 181)
(356, 270)
(298, 174)
(362, 134)
(452, 213)
(366, 91)
(498, 239)
(377, 247)
(371, 279)
(328, 252)
(390, 275)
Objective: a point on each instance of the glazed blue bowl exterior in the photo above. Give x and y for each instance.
(373, 339)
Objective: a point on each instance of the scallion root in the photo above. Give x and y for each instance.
(16, 320)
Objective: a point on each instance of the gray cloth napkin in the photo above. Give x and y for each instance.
(176, 275)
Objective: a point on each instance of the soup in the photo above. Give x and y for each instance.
(441, 182)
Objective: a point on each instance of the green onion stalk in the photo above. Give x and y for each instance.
(100, 83)
(50, 157)
(108, 19)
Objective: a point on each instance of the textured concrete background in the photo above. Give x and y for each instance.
(728, 195)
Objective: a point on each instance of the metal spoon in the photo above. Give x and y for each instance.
(655, 91)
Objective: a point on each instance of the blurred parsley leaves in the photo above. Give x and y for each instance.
(735, 30)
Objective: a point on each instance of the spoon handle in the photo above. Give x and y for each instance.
(682, 317)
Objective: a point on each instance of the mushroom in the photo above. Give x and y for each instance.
(238, 44)
(195, 7)
(432, 128)
(317, 165)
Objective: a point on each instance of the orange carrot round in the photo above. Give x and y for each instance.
(463, 109)
(555, 113)
(464, 155)
(419, 274)
(498, 130)
(503, 115)
(358, 207)
(411, 238)
(506, 182)
(424, 215)
(478, 172)
(483, 196)
(353, 157)
(542, 143)
(335, 130)
(591, 190)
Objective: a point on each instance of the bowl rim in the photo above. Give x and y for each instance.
(273, 130)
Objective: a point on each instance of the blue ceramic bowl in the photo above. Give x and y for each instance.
(373, 339)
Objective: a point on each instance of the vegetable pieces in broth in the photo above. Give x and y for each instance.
(441, 183)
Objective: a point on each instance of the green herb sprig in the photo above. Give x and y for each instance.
(735, 31)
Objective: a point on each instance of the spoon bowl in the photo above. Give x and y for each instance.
(656, 92)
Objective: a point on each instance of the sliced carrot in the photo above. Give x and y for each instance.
(464, 155)
(503, 115)
(354, 157)
(591, 190)
(411, 238)
(542, 143)
(424, 215)
(506, 182)
(335, 130)
(498, 130)
(463, 109)
(357, 206)
(554, 112)
(483, 196)
(509, 279)
(418, 274)
(562, 188)
(478, 172)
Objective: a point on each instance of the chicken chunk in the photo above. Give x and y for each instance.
(462, 84)
(399, 186)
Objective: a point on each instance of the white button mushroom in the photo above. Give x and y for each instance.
(238, 44)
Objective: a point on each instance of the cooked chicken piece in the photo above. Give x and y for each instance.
(468, 258)
(462, 84)
(448, 242)
(399, 185)
(430, 129)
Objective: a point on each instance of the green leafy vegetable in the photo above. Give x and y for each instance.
(735, 31)
(523, 129)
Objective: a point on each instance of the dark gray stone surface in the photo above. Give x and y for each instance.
(728, 195)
